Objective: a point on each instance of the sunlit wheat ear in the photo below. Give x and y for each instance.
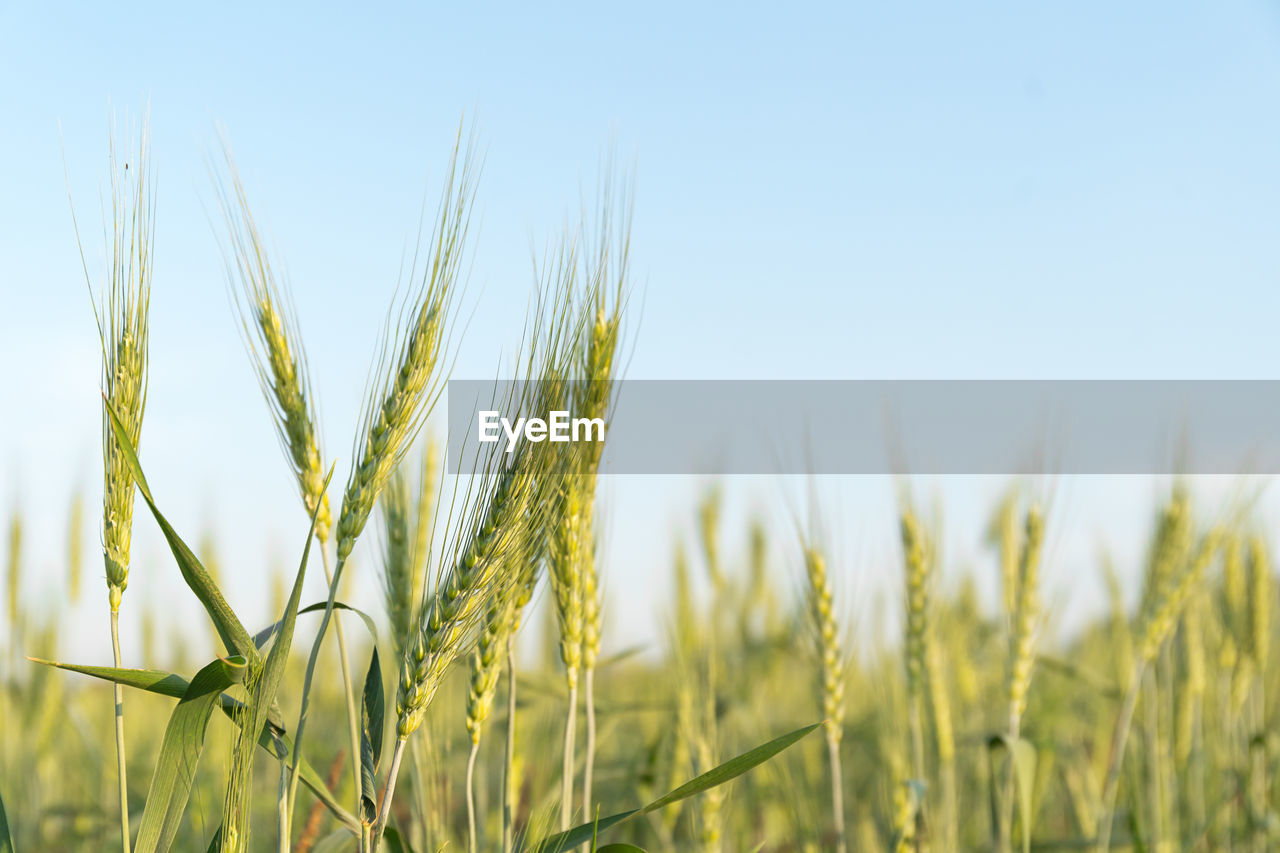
(1168, 550)
(564, 567)
(1026, 615)
(709, 510)
(831, 676)
(594, 397)
(1166, 609)
(508, 508)
(916, 560)
(455, 609)
(397, 557)
(1260, 593)
(685, 623)
(822, 617)
(271, 333)
(1196, 682)
(408, 372)
(906, 808)
(1002, 532)
(123, 324)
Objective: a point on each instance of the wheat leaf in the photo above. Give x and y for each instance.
(226, 622)
(180, 751)
(714, 777)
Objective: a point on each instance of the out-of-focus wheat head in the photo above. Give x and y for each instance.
(916, 559)
(827, 629)
(407, 516)
(1168, 549)
(1166, 608)
(1260, 592)
(1026, 615)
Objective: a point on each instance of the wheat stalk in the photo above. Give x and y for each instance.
(1021, 657)
(123, 330)
(1161, 613)
(495, 539)
(593, 400)
(270, 330)
(830, 677)
(917, 560)
(406, 517)
(404, 393)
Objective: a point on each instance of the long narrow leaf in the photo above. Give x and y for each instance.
(273, 669)
(180, 751)
(262, 692)
(6, 837)
(731, 769)
(171, 684)
(226, 622)
(260, 639)
(373, 712)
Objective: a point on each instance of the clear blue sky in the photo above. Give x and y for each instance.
(931, 190)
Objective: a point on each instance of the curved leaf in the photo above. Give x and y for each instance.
(180, 751)
(373, 712)
(226, 622)
(6, 838)
(171, 684)
(714, 777)
(262, 693)
(260, 638)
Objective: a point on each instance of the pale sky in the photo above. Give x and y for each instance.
(844, 190)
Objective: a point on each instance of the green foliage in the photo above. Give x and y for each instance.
(713, 778)
(183, 743)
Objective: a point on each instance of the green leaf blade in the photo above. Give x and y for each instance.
(373, 713)
(197, 578)
(714, 777)
(180, 751)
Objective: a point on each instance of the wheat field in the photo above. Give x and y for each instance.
(458, 716)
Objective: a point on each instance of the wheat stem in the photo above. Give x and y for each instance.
(392, 773)
(471, 796)
(837, 789)
(589, 706)
(1115, 757)
(119, 722)
(348, 687)
(282, 810)
(304, 711)
(566, 766)
(509, 753)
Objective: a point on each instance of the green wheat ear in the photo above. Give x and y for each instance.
(410, 381)
(271, 333)
(406, 514)
(496, 532)
(125, 330)
(1026, 615)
